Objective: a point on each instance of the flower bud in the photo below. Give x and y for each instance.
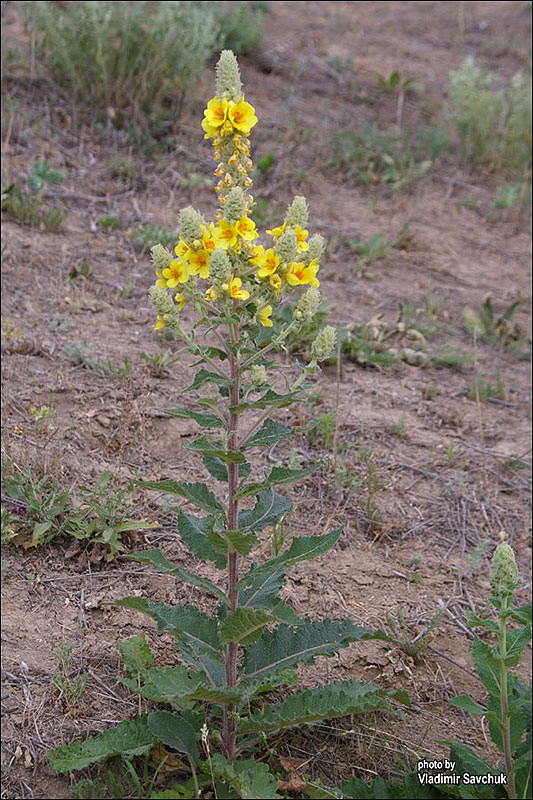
(286, 246)
(161, 257)
(308, 305)
(316, 248)
(297, 213)
(228, 77)
(234, 206)
(504, 575)
(324, 343)
(258, 375)
(220, 270)
(192, 225)
(163, 305)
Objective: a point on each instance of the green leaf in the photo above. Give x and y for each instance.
(268, 434)
(302, 548)
(487, 669)
(467, 761)
(277, 476)
(179, 685)
(465, 702)
(283, 612)
(286, 646)
(337, 699)
(187, 622)
(249, 779)
(175, 732)
(263, 593)
(204, 419)
(218, 470)
(268, 510)
(232, 542)
(522, 768)
(196, 493)
(522, 614)
(160, 563)
(204, 446)
(244, 625)
(126, 739)
(194, 532)
(269, 399)
(204, 376)
(517, 641)
(475, 621)
(136, 654)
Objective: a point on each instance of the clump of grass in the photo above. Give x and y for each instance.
(150, 235)
(26, 203)
(80, 355)
(494, 125)
(498, 329)
(134, 63)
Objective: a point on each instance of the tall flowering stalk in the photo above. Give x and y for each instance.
(233, 283)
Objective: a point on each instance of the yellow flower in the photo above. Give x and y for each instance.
(242, 117)
(234, 289)
(269, 265)
(277, 231)
(276, 281)
(199, 263)
(215, 115)
(225, 235)
(159, 324)
(264, 316)
(257, 256)
(207, 239)
(177, 272)
(160, 280)
(298, 274)
(182, 250)
(301, 236)
(246, 229)
(211, 294)
(180, 298)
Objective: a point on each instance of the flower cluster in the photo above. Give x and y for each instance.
(220, 265)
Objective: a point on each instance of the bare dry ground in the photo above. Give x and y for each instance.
(424, 470)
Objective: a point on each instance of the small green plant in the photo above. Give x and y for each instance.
(39, 509)
(376, 248)
(483, 390)
(371, 484)
(114, 223)
(497, 329)
(28, 206)
(394, 84)
(218, 710)
(494, 125)
(82, 272)
(80, 355)
(508, 710)
(509, 196)
(71, 688)
(412, 643)
(159, 363)
(475, 559)
(150, 235)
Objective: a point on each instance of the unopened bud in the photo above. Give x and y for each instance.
(504, 575)
(258, 375)
(297, 213)
(163, 304)
(220, 270)
(234, 206)
(228, 77)
(161, 257)
(316, 248)
(324, 344)
(286, 246)
(192, 226)
(308, 305)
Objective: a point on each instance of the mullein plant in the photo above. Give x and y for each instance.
(254, 640)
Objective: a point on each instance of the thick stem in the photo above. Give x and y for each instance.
(233, 562)
(504, 701)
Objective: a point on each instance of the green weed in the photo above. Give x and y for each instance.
(159, 363)
(497, 329)
(80, 355)
(114, 223)
(150, 235)
(394, 83)
(484, 390)
(71, 688)
(412, 643)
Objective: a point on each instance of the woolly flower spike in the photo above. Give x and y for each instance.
(192, 227)
(228, 77)
(308, 305)
(504, 576)
(258, 375)
(324, 343)
(234, 205)
(286, 246)
(297, 213)
(219, 268)
(161, 257)
(164, 307)
(316, 247)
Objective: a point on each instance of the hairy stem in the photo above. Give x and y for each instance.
(504, 701)
(233, 562)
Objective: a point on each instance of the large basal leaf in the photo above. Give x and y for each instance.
(268, 434)
(244, 625)
(175, 732)
(194, 533)
(287, 646)
(206, 448)
(249, 779)
(196, 493)
(302, 548)
(160, 563)
(136, 654)
(337, 699)
(268, 510)
(126, 739)
(278, 475)
(205, 420)
(232, 542)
